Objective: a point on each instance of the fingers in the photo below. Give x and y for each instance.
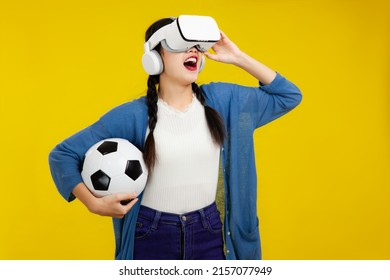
(125, 196)
(224, 39)
(127, 200)
(223, 35)
(118, 205)
(125, 208)
(130, 205)
(211, 56)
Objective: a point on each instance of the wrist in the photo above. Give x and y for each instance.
(257, 69)
(87, 198)
(93, 205)
(241, 60)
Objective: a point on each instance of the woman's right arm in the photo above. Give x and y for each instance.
(66, 159)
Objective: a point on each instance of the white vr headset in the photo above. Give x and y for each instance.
(184, 33)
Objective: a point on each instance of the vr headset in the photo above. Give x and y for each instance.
(184, 33)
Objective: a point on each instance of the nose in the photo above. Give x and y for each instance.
(193, 49)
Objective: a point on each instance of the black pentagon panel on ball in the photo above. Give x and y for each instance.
(100, 181)
(133, 169)
(108, 147)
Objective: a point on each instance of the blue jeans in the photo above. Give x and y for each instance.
(192, 236)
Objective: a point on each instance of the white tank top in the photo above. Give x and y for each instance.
(185, 175)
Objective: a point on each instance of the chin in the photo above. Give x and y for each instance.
(192, 77)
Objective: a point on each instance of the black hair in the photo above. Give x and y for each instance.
(214, 120)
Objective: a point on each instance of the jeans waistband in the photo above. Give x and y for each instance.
(157, 216)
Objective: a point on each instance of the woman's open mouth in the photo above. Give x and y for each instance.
(191, 63)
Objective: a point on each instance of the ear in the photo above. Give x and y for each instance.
(202, 63)
(152, 62)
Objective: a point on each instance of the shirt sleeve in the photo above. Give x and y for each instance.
(66, 159)
(275, 100)
(127, 121)
(261, 104)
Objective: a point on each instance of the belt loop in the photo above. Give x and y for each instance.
(155, 220)
(203, 217)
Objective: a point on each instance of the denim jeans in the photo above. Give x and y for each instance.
(195, 235)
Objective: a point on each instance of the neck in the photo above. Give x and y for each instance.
(176, 96)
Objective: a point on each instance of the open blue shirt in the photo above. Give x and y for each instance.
(243, 109)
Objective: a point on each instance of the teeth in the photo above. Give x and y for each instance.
(190, 59)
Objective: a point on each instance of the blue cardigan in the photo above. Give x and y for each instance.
(243, 109)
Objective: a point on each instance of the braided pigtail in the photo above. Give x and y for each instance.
(214, 120)
(149, 153)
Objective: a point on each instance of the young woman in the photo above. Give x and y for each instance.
(183, 131)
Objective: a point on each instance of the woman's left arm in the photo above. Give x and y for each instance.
(228, 52)
(275, 95)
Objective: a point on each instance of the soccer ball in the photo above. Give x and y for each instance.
(114, 165)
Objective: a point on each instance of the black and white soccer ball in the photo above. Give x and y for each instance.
(112, 166)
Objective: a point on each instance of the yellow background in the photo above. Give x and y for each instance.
(324, 169)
